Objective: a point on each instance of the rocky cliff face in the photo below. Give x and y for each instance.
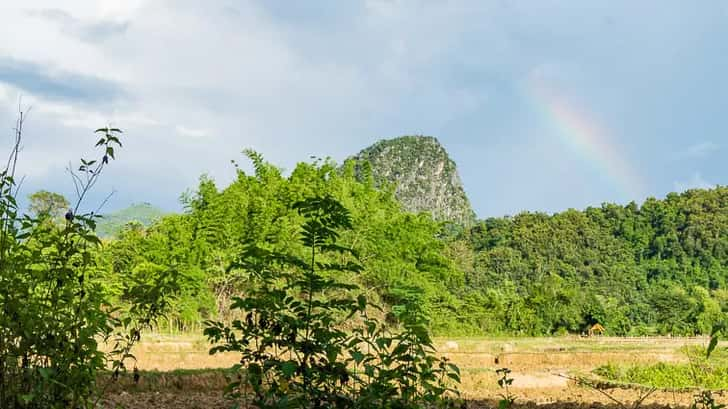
(425, 177)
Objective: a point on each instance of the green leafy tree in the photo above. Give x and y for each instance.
(531, 273)
(48, 204)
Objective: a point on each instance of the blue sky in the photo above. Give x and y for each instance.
(194, 83)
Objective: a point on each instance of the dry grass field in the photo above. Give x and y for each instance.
(179, 373)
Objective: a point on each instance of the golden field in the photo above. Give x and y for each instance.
(178, 372)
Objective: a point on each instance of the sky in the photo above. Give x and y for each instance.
(544, 105)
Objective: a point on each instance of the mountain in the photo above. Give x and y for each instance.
(425, 177)
(112, 223)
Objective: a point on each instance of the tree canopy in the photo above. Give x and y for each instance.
(47, 204)
(657, 268)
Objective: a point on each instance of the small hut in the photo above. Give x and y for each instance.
(596, 329)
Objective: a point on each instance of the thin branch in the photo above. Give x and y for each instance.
(75, 178)
(18, 186)
(582, 381)
(638, 403)
(86, 187)
(596, 387)
(9, 173)
(92, 174)
(18, 133)
(98, 210)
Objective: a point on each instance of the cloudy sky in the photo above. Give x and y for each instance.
(544, 105)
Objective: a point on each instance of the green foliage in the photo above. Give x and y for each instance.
(307, 340)
(45, 204)
(656, 269)
(504, 382)
(660, 375)
(698, 372)
(139, 214)
(399, 251)
(54, 310)
(704, 399)
(149, 256)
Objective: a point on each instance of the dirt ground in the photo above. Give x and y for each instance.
(541, 371)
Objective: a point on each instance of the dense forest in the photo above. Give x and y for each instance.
(656, 268)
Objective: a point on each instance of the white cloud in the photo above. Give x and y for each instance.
(191, 132)
(199, 81)
(696, 181)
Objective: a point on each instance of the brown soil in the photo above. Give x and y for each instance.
(540, 372)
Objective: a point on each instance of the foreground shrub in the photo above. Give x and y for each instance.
(52, 309)
(307, 340)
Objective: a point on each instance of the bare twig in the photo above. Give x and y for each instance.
(639, 401)
(8, 176)
(103, 203)
(644, 392)
(18, 186)
(584, 382)
(76, 180)
(17, 137)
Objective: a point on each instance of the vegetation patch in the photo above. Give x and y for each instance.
(698, 373)
(187, 380)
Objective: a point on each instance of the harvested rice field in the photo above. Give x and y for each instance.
(178, 372)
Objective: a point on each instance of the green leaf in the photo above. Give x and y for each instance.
(45, 373)
(289, 368)
(711, 346)
(357, 356)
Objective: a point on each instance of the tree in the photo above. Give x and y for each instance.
(45, 204)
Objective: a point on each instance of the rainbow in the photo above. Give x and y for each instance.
(587, 139)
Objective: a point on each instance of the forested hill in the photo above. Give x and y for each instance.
(425, 177)
(659, 267)
(144, 213)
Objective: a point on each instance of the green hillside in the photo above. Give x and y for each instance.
(111, 224)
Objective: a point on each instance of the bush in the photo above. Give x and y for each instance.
(52, 309)
(306, 339)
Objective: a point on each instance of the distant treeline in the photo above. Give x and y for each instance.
(653, 269)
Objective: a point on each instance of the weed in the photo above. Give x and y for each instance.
(504, 381)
